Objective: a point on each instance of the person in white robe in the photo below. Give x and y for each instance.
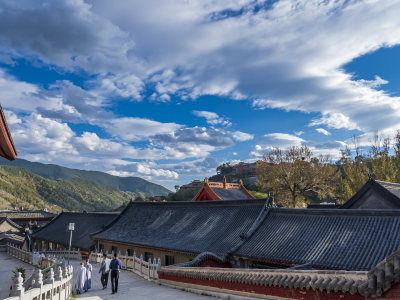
(80, 279)
(88, 282)
(35, 258)
(42, 256)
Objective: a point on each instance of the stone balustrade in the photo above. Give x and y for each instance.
(147, 269)
(57, 283)
(29, 257)
(65, 253)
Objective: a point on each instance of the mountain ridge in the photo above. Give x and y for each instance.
(21, 188)
(55, 172)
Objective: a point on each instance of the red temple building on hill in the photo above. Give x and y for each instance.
(222, 191)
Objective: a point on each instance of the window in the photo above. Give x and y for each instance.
(130, 252)
(147, 256)
(114, 249)
(169, 260)
(101, 247)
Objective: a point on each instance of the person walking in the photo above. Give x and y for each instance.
(105, 270)
(80, 279)
(88, 281)
(115, 267)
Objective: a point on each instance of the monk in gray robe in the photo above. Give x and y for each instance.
(88, 281)
(80, 279)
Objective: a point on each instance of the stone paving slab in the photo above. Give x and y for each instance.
(132, 286)
(7, 265)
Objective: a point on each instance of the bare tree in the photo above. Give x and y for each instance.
(291, 173)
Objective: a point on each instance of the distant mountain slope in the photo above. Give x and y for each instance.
(19, 187)
(54, 172)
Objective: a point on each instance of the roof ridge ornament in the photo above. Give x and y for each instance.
(270, 200)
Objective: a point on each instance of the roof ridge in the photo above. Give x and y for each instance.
(338, 212)
(203, 202)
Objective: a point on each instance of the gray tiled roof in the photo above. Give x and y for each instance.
(26, 214)
(333, 239)
(375, 194)
(196, 227)
(394, 188)
(85, 224)
(231, 193)
(5, 219)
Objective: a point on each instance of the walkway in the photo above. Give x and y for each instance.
(8, 265)
(132, 286)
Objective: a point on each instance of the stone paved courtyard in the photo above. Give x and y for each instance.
(132, 286)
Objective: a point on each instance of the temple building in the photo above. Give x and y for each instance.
(55, 235)
(375, 194)
(10, 232)
(222, 191)
(178, 231)
(28, 217)
(330, 239)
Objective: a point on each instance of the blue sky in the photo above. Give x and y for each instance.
(168, 91)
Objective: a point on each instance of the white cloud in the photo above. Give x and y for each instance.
(136, 129)
(377, 82)
(335, 120)
(212, 118)
(144, 170)
(242, 136)
(123, 85)
(38, 28)
(286, 55)
(38, 135)
(323, 131)
(284, 141)
(298, 133)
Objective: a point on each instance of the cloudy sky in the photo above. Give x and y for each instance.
(168, 90)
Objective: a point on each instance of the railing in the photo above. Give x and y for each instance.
(30, 257)
(147, 269)
(64, 253)
(56, 285)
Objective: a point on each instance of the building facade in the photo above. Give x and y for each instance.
(222, 191)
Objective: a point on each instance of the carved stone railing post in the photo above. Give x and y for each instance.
(38, 279)
(149, 266)
(126, 259)
(141, 264)
(50, 279)
(18, 288)
(59, 274)
(159, 264)
(38, 282)
(134, 260)
(154, 268)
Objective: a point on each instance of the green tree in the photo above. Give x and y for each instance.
(293, 173)
(354, 174)
(224, 169)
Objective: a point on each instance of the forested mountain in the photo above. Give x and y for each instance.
(20, 188)
(54, 172)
